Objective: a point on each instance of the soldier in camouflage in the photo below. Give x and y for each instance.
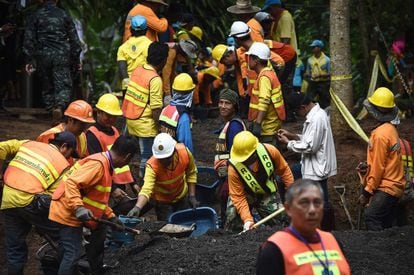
(52, 46)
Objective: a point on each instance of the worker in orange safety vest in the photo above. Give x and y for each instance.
(170, 179)
(266, 108)
(206, 77)
(78, 116)
(82, 196)
(143, 100)
(101, 136)
(29, 181)
(302, 248)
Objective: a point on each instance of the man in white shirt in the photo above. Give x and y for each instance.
(315, 144)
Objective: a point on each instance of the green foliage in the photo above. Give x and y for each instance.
(103, 22)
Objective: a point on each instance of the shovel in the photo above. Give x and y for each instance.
(265, 219)
(340, 189)
(172, 230)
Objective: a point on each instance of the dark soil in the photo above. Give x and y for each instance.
(218, 252)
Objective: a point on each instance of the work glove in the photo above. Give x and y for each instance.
(257, 129)
(83, 214)
(134, 212)
(125, 83)
(247, 225)
(119, 225)
(193, 202)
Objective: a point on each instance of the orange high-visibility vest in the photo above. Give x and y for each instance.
(407, 159)
(170, 185)
(137, 94)
(276, 96)
(35, 167)
(120, 175)
(299, 259)
(82, 145)
(94, 198)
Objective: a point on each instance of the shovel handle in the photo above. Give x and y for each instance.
(271, 216)
(114, 225)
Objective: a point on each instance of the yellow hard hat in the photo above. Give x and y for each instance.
(382, 97)
(109, 104)
(213, 71)
(244, 145)
(219, 51)
(197, 32)
(183, 83)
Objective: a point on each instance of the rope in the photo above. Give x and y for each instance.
(393, 59)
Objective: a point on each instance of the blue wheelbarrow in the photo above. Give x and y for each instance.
(204, 218)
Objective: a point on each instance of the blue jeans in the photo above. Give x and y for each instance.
(380, 212)
(70, 247)
(145, 149)
(17, 224)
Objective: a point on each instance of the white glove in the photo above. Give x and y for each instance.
(125, 83)
(167, 100)
(247, 225)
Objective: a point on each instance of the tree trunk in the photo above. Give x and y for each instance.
(340, 63)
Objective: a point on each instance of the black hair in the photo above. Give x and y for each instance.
(125, 145)
(298, 187)
(138, 32)
(157, 53)
(244, 38)
(296, 99)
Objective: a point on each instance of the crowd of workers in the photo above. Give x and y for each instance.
(77, 172)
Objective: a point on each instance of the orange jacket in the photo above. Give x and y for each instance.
(170, 185)
(82, 145)
(276, 96)
(386, 171)
(154, 23)
(35, 167)
(256, 33)
(299, 259)
(137, 94)
(203, 88)
(88, 183)
(285, 51)
(121, 175)
(237, 187)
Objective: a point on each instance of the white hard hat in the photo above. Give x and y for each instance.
(239, 29)
(260, 50)
(163, 146)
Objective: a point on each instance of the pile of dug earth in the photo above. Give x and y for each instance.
(218, 252)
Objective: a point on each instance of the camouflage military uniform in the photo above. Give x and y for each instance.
(52, 45)
(263, 205)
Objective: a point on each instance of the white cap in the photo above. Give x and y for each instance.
(260, 50)
(239, 29)
(163, 146)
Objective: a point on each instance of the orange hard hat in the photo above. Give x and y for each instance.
(80, 110)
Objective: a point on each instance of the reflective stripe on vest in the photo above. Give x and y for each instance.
(275, 96)
(120, 175)
(221, 147)
(169, 120)
(137, 94)
(407, 158)
(248, 177)
(35, 167)
(170, 186)
(96, 198)
(298, 259)
(82, 145)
